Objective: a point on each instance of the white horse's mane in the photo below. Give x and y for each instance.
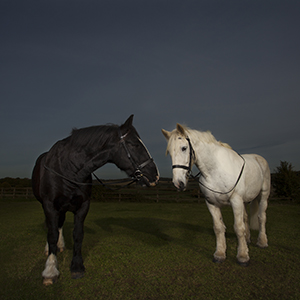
(196, 135)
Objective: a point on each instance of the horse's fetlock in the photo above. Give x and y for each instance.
(243, 259)
(51, 271)
(219, 256)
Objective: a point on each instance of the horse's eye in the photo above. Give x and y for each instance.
(183, 149)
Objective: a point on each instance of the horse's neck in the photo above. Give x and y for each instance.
(99, 160)
(88, 163)
(214, 160)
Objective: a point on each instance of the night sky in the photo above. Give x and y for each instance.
(231, 67)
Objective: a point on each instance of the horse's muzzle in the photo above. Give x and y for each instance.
(145, 181)
(180, 186)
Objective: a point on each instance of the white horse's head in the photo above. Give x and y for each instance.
(182, 154)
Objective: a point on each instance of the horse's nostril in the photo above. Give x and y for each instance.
(181, 185)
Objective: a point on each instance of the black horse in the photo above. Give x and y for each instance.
(62, 181)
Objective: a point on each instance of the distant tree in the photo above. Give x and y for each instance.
(15, 182)
(286, 181)
(5, 185)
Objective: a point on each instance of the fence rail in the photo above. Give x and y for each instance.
(161, 193)
(146, 195)
(16, 192)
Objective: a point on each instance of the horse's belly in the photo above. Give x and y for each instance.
(251, 194)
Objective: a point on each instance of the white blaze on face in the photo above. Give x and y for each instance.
(180, 157)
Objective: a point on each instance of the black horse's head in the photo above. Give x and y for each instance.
(133, 156)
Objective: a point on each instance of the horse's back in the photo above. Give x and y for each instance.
(260, 161)
(37, 176)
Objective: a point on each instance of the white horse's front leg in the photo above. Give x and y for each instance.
(219, 229)
(240, 230)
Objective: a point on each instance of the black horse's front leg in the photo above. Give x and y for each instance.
(77, 267)
(51, 273)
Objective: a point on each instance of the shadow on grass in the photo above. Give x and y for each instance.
(153, 226)
(158, 232)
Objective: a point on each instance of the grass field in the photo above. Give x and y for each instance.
(149, 251)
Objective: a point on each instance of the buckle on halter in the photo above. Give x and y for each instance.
(138, 174)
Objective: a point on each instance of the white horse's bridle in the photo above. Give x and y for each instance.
(189, 167)
(189, 170)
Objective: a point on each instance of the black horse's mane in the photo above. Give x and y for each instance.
(94, 136)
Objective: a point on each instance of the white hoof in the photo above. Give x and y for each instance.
(49, 281)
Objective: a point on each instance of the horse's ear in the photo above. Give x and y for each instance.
(180, 129)
(128, 122)
(166, 133)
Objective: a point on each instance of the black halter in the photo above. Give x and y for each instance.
(189, 167)
(137, 174)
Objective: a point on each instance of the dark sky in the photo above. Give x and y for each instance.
(231, 67)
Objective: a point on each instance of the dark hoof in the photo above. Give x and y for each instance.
(218, 261)
(77, 275)
(243, 264)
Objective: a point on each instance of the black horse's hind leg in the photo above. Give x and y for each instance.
(61, 241)
(77, 267)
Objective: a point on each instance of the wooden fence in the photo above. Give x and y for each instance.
(146, 195)
(16, 192)
(163, 192)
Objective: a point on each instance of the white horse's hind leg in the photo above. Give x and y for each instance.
(254, 225)
(262, 240)
(240, 230)
(50, 273)
(219, 229)
(248, 239)
(60, 243)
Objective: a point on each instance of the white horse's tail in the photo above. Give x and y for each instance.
(254, 208)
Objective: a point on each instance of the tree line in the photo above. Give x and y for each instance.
(8, 182)
(286, 181)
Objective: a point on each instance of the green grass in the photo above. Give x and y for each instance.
(149, 251)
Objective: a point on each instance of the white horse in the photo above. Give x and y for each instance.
(226, 178)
